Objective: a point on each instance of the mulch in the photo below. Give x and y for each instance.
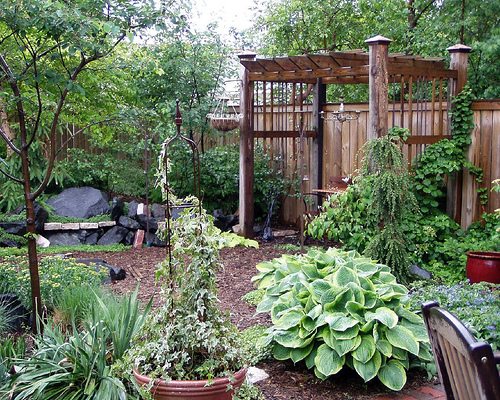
(286, 381)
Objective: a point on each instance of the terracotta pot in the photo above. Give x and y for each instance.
(483, 266)
(192, 390)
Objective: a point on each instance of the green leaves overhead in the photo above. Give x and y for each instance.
(333, 308)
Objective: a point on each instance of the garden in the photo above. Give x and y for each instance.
(144, 254)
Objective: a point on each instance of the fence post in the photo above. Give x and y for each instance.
(459, 55)
(378, 82)
(246, 198)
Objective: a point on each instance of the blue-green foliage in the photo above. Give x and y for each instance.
(476, 305)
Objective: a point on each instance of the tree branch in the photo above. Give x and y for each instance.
(81, 130)
(12, 177)
(39, 100)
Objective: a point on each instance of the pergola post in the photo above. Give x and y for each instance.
(378, 82)
(459, 55)
(316, 168)
(246, 206)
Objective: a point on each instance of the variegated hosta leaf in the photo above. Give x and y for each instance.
(384, 315)
(327, 361)
(392, 375)
(368, 370)
(401, 337)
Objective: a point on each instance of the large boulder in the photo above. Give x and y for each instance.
(83, 202)
(158, 211)
(14, 228)
(152, 240)
(73, 238)
(115, 235)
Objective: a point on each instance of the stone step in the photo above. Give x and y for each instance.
(74, 226)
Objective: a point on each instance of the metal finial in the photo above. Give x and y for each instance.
(178, 116)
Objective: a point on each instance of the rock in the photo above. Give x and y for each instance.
(84, 202)
(116, 208)
(115, 235)
(267, 234)
(255, 375)
(224, 222)
(41, 215)
(117, 273)
(132, 209)
(158, 211)
(92, 238)
(42, 242)
(14, 228)
(128, 223)
(64, 238)
(138, 239)
(153, 240)
(129, 239)
(19, 313)
(419, 272)
(146, 222)
(4, 242)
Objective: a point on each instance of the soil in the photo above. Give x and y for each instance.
(286, 381)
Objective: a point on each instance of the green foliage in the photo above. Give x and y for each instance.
(5, 319)
(346, 218)
(56, 275)
(247, 391)
(253, 344)
(445, 157)
(384, 172)
(80, 366)
(84, 248)
(15, 238)
(61, 219)
(220, 176)
(11, 349)
(333, 309)
(188, 337)
(448, 259)
(476, 305)
(253, 297)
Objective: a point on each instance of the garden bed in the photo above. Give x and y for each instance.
(286, 380)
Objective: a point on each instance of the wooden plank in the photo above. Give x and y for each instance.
(304, 62)
(252, 66)
(306, 75)
(283, 134)
(324, 61)
(486, 152)
(270, 65)
(494, 202)
(480, 105)
(286, 64)
(337, 150)
(428, 72)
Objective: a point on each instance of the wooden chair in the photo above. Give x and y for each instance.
(466, 367)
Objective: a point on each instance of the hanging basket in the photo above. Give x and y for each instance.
(224, 118)
(224, 124)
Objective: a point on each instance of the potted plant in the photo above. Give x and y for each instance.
(188, 348)
(484, 266)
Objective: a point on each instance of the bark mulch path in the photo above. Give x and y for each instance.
(286, 381)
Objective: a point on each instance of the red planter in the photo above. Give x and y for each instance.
(483, 266)
(192, 390)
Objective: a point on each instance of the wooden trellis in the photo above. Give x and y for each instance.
(406, 91)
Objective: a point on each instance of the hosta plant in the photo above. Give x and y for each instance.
(333, 309)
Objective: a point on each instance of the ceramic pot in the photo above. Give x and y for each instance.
(192, 390)
(483, 266)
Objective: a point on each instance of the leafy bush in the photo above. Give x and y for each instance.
(346, 218)
(56, 275)
(220, 177)
(254, 297)
(333, 309)
(5, 319)
(476, 305)
(20, 240)
(80, 366)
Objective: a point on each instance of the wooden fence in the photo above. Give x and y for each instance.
(342, 142)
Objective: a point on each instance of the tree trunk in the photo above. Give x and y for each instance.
(32, 252)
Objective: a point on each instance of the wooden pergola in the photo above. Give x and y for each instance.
(377, 68)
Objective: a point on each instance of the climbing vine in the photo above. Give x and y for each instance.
(447, 156)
